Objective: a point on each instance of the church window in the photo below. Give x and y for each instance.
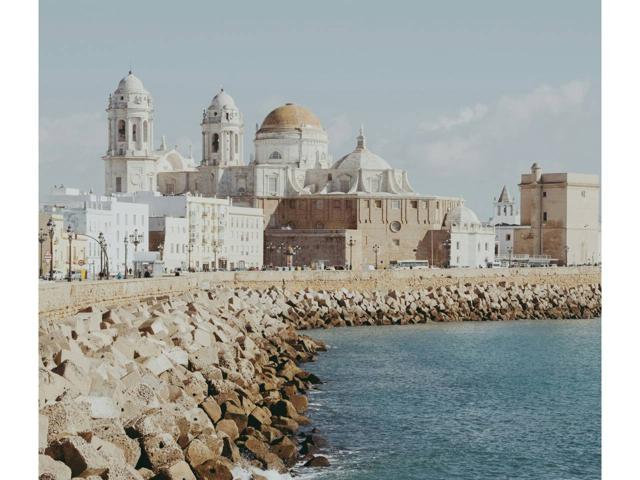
(145, 131)
(396, 242)
(395, 204)
(504, 210)
(457, 245)
(378, 203)
(486, 247)
(414, 204)
(508, 237)
(216, 143)
(272, 185)
(135, 133)
(544, 194)
(544, 216)
(583, 193)
(478, 247)
(118, 184)
(275, 156)
(227, 115)
(236, 142)
(122, 131)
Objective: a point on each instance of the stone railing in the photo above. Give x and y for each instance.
(61, 298)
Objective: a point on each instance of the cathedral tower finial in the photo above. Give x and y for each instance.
(361, 138)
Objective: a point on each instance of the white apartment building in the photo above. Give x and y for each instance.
(203, 233)
(90, 214)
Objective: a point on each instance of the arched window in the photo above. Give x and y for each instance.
(122, 131)
(145, 131)
(134, 132)
(275, 156)
(215, 144)
(504, 210)
(236, 142)
(231, 147)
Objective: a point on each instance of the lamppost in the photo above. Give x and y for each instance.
(509, 249)
(215, 246)
(126, 250)
(51, 229)
(566, 255)
(351, 243)
(447, 248)
(376, 248)
(161, 249)
(136, 239)
(70, 238)
(189, 249)
(270, 247)
(281, 251)
(41, 239)
(104, 264)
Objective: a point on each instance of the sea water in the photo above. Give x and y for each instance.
(477, 400)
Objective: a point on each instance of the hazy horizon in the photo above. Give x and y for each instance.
(463, 95)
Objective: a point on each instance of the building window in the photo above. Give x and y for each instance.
(145, 132)
(414, 204)
(544, 216)
(378, 203)
(395, 204)
(395, 226)
(544, 194)
(396, 242)
(318, 204)
(122, 131)
(486, 247)
(215, 144)
(236, 142)
(118, 184)
(457, 245)
(135, 133)
(508, 237)
(272, 185)
(583, 193)
(275, 156)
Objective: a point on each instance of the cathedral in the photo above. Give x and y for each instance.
(357, 210)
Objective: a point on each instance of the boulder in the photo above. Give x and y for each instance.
(50, 469)
(161, 450)
(216, 469)
(317, 461)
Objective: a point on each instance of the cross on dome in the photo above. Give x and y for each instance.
(361, 139)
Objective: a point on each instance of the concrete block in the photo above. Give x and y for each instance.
(178, 471)
(67, 418)
(158, 364)
(161, 450)
(101, 406)
(50, 469)
(80, 456)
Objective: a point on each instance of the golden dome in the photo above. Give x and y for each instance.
(290, 116)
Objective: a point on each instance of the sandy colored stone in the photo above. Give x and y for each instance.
(50, 469)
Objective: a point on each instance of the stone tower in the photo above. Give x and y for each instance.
(505, 210)
(222, 132)
(130, 165)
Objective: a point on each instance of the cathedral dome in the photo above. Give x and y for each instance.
(461, 216)
(362, 158)
(290, 116)
(131, 84)
(223, 100)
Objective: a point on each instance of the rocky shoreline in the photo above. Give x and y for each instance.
(197, 385)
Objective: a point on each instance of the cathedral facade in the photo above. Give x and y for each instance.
(355, 211)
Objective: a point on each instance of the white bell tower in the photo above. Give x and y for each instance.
(130, 164)
(222, 132)
(505, 210)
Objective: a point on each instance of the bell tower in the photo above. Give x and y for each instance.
(222, 132)
(129, 162)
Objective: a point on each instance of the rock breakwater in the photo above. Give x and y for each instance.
(187, 386)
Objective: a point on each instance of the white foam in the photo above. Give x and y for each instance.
(245, 473)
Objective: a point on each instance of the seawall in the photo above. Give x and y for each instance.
(59, 299)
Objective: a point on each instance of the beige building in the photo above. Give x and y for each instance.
(60, 244)
(562, 214)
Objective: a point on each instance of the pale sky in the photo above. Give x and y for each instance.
(465, 95)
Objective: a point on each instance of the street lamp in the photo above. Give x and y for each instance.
(126, 250)
(509, 249)
(376, 248)
(447, 247)
(215, 246)
(51, 229)
(161, 249)
(189, 249)
(41, 238)
(566, 255)
(104, 259)
(136, 239)
(351, 243)
(70, 238)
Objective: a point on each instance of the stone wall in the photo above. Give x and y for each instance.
(59, 299)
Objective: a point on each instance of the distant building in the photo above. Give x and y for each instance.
(506, 220)
(203, 233)
(90, 214)
(561, 213)
(470, 243)
(60, 242)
